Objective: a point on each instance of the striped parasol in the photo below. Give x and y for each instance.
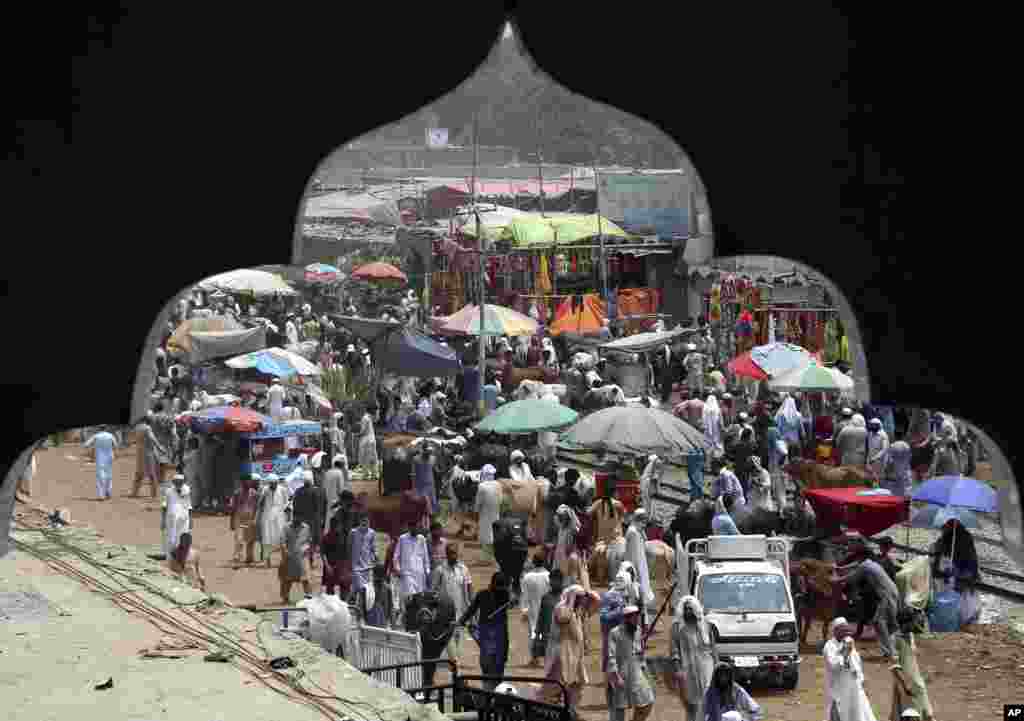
(498, 320)
(322, 273)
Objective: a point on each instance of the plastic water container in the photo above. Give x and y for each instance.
(944, 613)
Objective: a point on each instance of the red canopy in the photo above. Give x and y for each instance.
(867, 514)
(743, 365)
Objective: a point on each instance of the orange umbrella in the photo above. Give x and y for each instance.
(379, 271)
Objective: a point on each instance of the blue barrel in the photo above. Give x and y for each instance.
(944, 613)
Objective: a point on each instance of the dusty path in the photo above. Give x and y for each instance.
(970, 675)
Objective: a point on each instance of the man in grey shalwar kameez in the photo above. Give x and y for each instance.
(693, 651)
(627, 670)
(363, 552)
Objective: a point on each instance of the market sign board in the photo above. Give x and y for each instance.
(437, 138)
(639, 201)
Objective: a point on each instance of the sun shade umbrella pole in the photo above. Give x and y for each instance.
(481, 359)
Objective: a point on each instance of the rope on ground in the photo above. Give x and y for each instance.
(253, 665)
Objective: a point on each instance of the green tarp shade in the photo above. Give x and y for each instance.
(525, 232)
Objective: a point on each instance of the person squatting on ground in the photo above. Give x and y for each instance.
(184, 563)
(726, 700)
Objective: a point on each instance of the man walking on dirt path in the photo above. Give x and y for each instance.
(104, 443)
(293, 567)
(243, 521)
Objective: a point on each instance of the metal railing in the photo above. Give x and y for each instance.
(489, 705)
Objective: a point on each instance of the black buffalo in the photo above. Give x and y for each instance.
(692, 520)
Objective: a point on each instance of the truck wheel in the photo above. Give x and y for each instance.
(790, 679)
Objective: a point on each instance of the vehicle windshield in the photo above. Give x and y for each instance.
(744, 593)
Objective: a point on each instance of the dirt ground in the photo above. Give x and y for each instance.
(970, 675)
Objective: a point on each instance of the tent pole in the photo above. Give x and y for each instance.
(481, 357)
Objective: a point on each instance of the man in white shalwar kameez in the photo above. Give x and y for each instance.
(271, 517)
(105, 443)
(176, 516)
(488, 505)
(275, 400)
(650, 480)
(535, 585)
(412, 565)
(712, 419)
(636, 553)
(844, 678)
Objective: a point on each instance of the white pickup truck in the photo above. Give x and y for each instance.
(743, 584)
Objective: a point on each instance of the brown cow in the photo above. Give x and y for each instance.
(821, 598)
(810, 475)
(390, 514)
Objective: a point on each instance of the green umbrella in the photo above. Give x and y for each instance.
(530, 416)
(811, 378)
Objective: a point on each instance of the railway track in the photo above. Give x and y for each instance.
(210, 634)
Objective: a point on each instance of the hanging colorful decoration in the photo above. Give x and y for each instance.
(715, 311)
(729, 289)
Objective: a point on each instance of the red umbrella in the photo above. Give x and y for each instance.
(379, 271)
(742, 365)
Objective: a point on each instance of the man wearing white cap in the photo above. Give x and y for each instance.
(275, 400)
(271, 517)
(627, 672)
(488, 505)
(518, 469)
(335, 482)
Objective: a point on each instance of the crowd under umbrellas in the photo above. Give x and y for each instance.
(576, 476)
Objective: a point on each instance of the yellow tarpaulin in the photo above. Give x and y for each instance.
(534, 230)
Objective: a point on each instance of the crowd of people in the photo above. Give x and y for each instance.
(314, 522)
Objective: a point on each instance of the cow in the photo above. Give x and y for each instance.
(810, 475)
(603, 563)
(391, 514)
(529, 390)
(661, 561)
(818, 597)
(432, 616)
(512, 377)
(511, 548)
(607, 396)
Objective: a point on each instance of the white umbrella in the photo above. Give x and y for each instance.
(812, 378)
(257, 282)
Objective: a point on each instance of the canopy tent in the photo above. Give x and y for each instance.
(529, 416)
(275, 362)
(404, 350)
(180, 342)
(211, 345)
(647, 342)
(588, 317)
(493, 220)
(546, 230)
(247, 280)
(858, 509)
(380, 207)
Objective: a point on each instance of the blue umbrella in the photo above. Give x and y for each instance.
(958, 491)
(936, 517)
